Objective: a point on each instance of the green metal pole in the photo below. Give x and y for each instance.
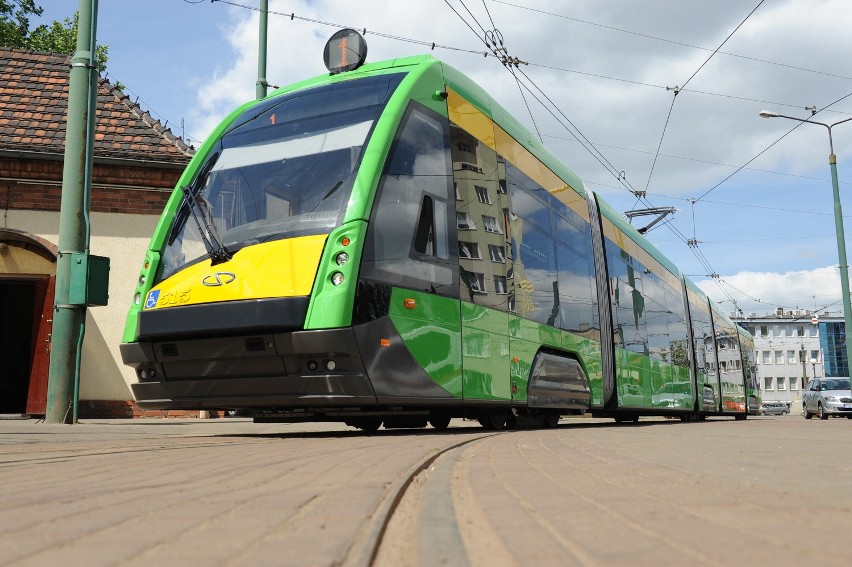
(838, 226)
(841, 253)
(69, 320)
(260, 88)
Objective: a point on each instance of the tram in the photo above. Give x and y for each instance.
(386, 245)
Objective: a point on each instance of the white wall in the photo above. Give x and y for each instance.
(123, 239)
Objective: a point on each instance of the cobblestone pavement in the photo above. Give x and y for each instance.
(769, 490)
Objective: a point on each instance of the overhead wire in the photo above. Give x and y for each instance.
(655, 86)
(702, 259)
(487, 11)
(612, 169)
(677, 89)
(494, 36)
(694, 241)
(767, 148)
(730, 35)
(671, 41)
(708, 162)
(293, 16)
(472, 16)
(662, 136)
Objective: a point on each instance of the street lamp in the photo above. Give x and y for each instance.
(813, 365)
(838, 227)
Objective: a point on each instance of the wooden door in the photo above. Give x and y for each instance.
(42, 329)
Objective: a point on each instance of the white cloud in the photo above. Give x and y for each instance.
(813, 289)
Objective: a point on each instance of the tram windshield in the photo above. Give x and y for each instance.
(284, 169)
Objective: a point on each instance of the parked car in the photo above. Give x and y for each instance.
(827, 397)
(775, 408)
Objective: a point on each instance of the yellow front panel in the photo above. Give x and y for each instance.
(282, 268)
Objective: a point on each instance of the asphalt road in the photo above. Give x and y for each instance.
(768, 490)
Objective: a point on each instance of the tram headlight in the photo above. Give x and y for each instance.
(146, 373)
(142, 279)
(341, 258)
(337, 278)
(137, 299)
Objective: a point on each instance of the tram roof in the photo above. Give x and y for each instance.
(469, 90)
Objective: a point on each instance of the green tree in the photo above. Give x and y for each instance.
(58, 37)
(61, 37)
(15, 21)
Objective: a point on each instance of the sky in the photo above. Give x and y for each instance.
(663, 94)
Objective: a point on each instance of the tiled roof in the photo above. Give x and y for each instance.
(34, 100)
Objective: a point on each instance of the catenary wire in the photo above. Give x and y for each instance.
(683, 44)
(678, 89)
(670, 156)
(715, 51)
(766, 149)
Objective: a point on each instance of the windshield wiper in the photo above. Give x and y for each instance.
(212, 242)
(215, 249)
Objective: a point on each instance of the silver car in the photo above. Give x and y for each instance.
(775, 408)
(827, 397)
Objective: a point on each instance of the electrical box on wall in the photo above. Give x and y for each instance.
(89, 280)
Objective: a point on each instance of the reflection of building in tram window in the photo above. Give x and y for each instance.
(497, 253)
(500, 284)
(465, 222)
(476, 281)
(469, 250)
(482, 194)
(490, 224)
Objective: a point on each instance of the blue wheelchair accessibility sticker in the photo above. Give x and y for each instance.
(153, 296)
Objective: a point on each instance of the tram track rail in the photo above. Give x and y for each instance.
(367, 552)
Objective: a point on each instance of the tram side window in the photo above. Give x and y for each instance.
(748, 361)
(577, 293)
(702, 333)
(628, 303)
(430, 236)
(656, 314)
(535, 273)
(534, 250)
(409, 242)
(485, 260)
(677, 328)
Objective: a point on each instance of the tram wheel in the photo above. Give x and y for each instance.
(368, 424)
(439, 421)
(550, 420)
(511, 421)
(494, 419)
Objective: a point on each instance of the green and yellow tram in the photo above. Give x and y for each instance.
(387, 245)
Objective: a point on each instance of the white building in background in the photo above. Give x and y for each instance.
(792, 347)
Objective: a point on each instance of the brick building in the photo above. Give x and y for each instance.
(137, 162)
